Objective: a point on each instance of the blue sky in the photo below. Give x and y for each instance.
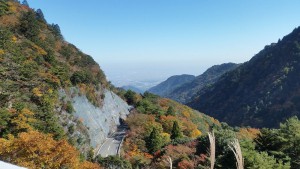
(139, 40)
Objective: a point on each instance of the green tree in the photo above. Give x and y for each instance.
(4, 8)
(146, 106)
(5, 39)
(170, 111)
(40, 15)
(113, 162)
(282, 143)
(130, 97)
(69, 107)
(90, 155)
(71, 129)
(29, 26)
(81, 77)
(48, 122)
(25, 3)
(290, 130)
(271, 141)
(224, 156)
(50, 57)
(154, 141)
(56, 30)
(5, 117)
(260, 160)
(176, 132)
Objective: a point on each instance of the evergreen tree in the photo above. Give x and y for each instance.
(4, 8)
(283, 144)
(5, 41)
(29, 26)
(56, 30)
(153, 142)
(171, 111)
(290, 131)
(90, 155)
(5, 118)
(113, 162)
(176, 132)
(25, 3)
(271, 141)
(40, 15)
(130, 97)
(261, 160)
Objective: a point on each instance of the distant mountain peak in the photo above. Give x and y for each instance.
(171, 83)
(183, 92)
(261, 92)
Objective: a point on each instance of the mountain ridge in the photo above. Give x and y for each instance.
(187, 91)
(184, 91)
(170, 84)
(261, 92)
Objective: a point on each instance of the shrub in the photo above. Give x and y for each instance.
(3, 8)
(29, 26)
(71, 129)
(113, 162)
(69, 107)
(80, 77)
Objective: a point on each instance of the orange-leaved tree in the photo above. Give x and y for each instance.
(37, 150)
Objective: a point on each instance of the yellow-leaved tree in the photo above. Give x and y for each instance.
(22, 120)
(37, 150)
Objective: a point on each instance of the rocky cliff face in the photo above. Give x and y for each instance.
(99, 121)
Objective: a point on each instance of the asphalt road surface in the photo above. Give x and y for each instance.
(111, 145)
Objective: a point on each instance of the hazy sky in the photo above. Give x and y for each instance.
(153, 39)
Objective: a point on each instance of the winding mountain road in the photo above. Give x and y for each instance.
(111, 145)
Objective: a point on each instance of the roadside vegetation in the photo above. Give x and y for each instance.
(35, 63)
(161, 129)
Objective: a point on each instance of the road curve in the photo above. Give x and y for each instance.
(112, 143)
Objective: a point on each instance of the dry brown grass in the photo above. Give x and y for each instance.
(236, 149)
(212, 150)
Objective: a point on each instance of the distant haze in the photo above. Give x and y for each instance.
(150, 40)
(152, 74)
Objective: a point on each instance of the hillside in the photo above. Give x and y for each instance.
(261, 92)
(162, 129)
(170, 84)
(187, 91)
(54, 99)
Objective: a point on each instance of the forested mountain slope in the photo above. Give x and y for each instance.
(170, 84)
(162, 129)
(261, 92)
(187, 91)
(44, 83)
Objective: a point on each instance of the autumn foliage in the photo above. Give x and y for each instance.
(37, 150)
(35, 64)
(160, 127)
